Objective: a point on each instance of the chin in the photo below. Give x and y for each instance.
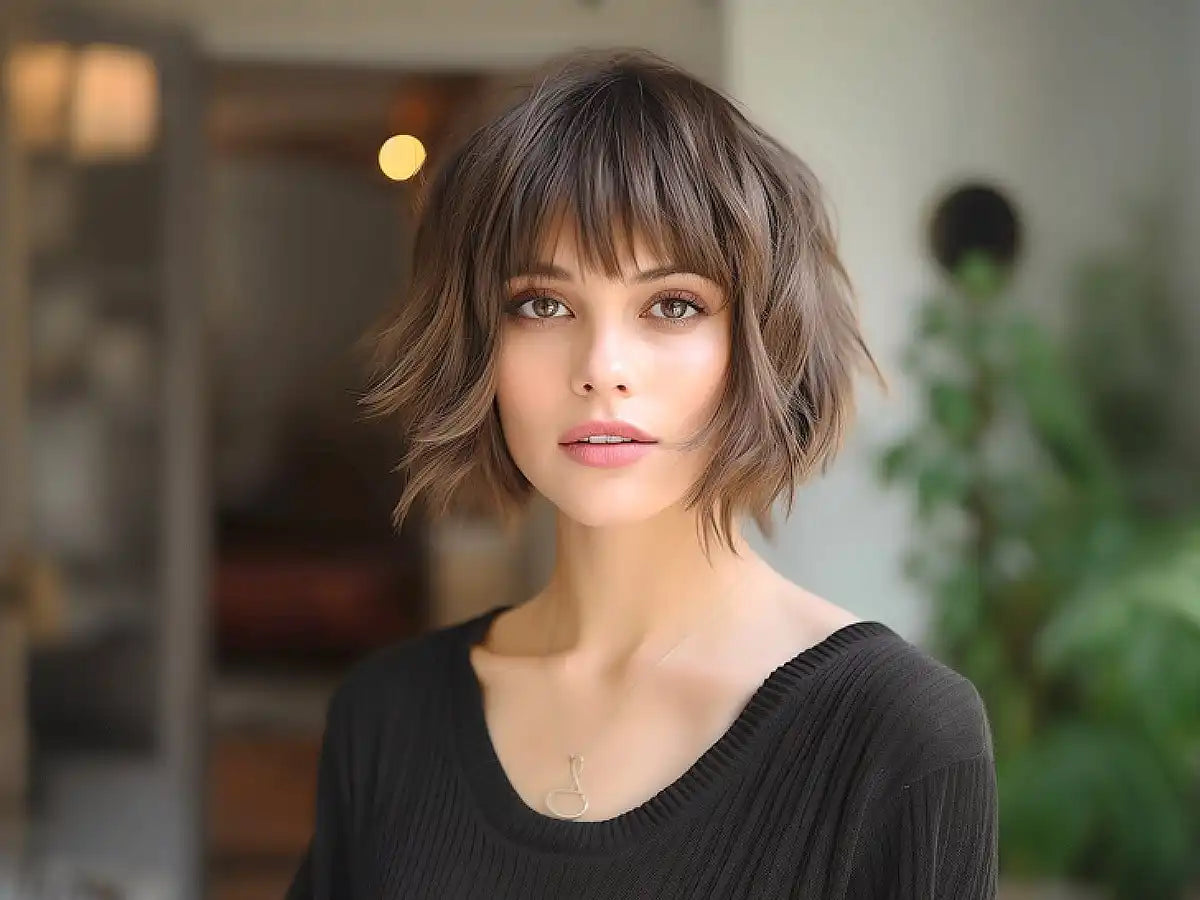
(610, 506)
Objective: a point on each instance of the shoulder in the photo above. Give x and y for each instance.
(895, 705)
(912, 713)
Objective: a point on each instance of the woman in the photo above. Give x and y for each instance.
(628, 299)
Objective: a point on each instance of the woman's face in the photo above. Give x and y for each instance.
(649, 349)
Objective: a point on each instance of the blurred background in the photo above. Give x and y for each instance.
(205, 204)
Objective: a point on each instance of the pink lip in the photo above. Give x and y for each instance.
(606, 456)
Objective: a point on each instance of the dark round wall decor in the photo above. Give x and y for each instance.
(974, 217)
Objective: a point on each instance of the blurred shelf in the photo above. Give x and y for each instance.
(112, 607)
(243, 702)
(250, 882)
(261, 794)
(108, 815)
(98, 277)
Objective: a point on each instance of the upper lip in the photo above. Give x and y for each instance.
(614, 428)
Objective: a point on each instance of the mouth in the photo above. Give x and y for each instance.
(608, 439)
(606, 445)
(611, 432)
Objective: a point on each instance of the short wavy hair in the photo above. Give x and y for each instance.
(627, 145)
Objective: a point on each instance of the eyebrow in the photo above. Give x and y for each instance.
(549, 270)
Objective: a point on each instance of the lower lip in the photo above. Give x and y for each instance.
(606, 456)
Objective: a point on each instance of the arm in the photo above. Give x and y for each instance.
(324, 873)
(938, 838)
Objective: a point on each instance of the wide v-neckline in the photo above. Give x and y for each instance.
(498, 800)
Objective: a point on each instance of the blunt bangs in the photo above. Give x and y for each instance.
(617, 165)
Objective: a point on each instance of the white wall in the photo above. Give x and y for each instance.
(1062, 103)
(444, 33)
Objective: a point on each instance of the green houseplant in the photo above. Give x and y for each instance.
(1073, 608)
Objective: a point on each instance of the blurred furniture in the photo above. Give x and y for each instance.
(266, 725)
(13, 642)
(13, 731)
(30, 609)
(289, 617)
(103, 423)
(261, 792)
(312, 604)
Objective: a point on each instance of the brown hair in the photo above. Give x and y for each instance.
(627, 144)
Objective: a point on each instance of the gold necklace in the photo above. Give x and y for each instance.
(575, 760)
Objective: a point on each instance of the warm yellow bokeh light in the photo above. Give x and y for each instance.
(116, 110)
(401, 157)
(99, 101)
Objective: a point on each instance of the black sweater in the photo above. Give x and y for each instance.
(862, 767)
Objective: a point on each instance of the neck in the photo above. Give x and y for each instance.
(616, 590)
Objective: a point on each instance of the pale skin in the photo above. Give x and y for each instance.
(573, 668)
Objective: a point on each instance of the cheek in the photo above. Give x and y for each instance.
(522, 386)
(696, 371)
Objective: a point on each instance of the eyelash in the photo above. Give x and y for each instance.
(514, 306)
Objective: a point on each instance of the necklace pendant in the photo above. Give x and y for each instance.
(576, 791)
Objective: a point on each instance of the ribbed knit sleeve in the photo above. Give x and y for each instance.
(938, 838)
(324, 870)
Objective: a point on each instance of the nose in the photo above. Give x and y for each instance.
(603, 364)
